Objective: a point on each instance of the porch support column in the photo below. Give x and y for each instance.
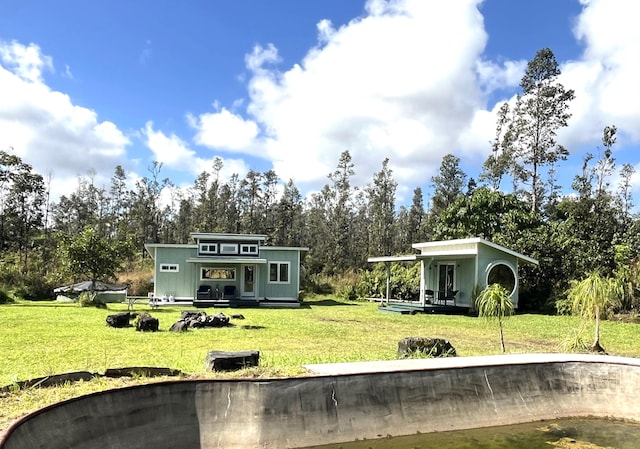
(387, 265)
(422, 283)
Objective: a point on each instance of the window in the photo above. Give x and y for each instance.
(228, 248)
(170, 267)
(279, 272)
(249, 249)
(217, 273)
(503, 274)
(208, 248)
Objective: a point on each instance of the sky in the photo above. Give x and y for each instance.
(289, 85)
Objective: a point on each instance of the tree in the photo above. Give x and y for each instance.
(591, 297)
(89, 255)
(448, 184)
(494, 303)
(541, 110)
(381, 209)
(341, 214)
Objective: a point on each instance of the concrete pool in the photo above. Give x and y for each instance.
(339, 403)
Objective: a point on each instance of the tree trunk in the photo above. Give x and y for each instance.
(501, 337)
(596, 342)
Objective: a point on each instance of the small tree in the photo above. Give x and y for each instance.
(92, 256)
(591, 297)
(494, 303)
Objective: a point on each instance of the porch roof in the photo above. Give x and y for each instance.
(226, 260)
(465, 247)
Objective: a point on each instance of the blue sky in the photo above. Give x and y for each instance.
(290, 84)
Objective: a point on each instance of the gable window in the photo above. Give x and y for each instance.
(279, 272)
(228, 248)
(170, 267)
(207, 273)
(208, 248)
(249, 249)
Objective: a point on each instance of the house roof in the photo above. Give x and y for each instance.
(227, 236)
(465, 247)
(457, 247)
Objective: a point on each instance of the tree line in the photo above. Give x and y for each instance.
(515, 201)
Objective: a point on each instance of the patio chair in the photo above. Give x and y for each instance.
(429, 296)
(229, 291)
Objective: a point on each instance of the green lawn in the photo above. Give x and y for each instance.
(43, 338)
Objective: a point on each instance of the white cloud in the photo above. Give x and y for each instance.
(399, 83)
(605, 78)
(224, 130)
(175, 154)
(26, 62)
(45, 128)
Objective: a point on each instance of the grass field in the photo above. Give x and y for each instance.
(44, 338)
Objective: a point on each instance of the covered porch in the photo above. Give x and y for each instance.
(453, 272)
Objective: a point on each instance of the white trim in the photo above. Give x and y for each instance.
(232, 269)
(514, 271)
(225, 260)
(279, 264)
(249, 249)
(228, 248)
(211, 248)
(227, 237)
(169, 268)
(476, 240)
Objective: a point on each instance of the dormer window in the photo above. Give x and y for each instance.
(208, 249)
(249, 249)
(228, 248)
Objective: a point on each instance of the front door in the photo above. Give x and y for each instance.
(248, 281)
(446, 278)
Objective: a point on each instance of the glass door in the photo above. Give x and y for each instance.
(248, 281)
(446, 280)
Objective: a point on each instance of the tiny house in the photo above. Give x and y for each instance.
(451, 270)
(227, 269)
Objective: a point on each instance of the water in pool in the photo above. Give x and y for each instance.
(562, 434)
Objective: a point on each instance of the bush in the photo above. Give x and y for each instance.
(4, 297)
(90, 299)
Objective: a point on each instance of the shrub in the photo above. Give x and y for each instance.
(4, 297)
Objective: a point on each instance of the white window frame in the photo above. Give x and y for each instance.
(279, 280)
(169, 268)
(228, 248)
(455, 273)
(232, 270)
(208, 248)
(249, 249)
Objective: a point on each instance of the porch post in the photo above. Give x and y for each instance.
(422, 286)
(387, 266)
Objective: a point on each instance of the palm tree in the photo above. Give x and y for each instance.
(590, 297)
(494, 303)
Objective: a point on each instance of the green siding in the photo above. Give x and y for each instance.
(184, 283)
(271, 290)
(487, 256)
(180, 284)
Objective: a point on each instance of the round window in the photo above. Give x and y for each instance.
(502, 274)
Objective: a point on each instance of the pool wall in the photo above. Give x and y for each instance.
(359, 401)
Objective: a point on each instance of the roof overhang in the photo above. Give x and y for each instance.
(227, 237)
(226, 260)
(465, 247)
